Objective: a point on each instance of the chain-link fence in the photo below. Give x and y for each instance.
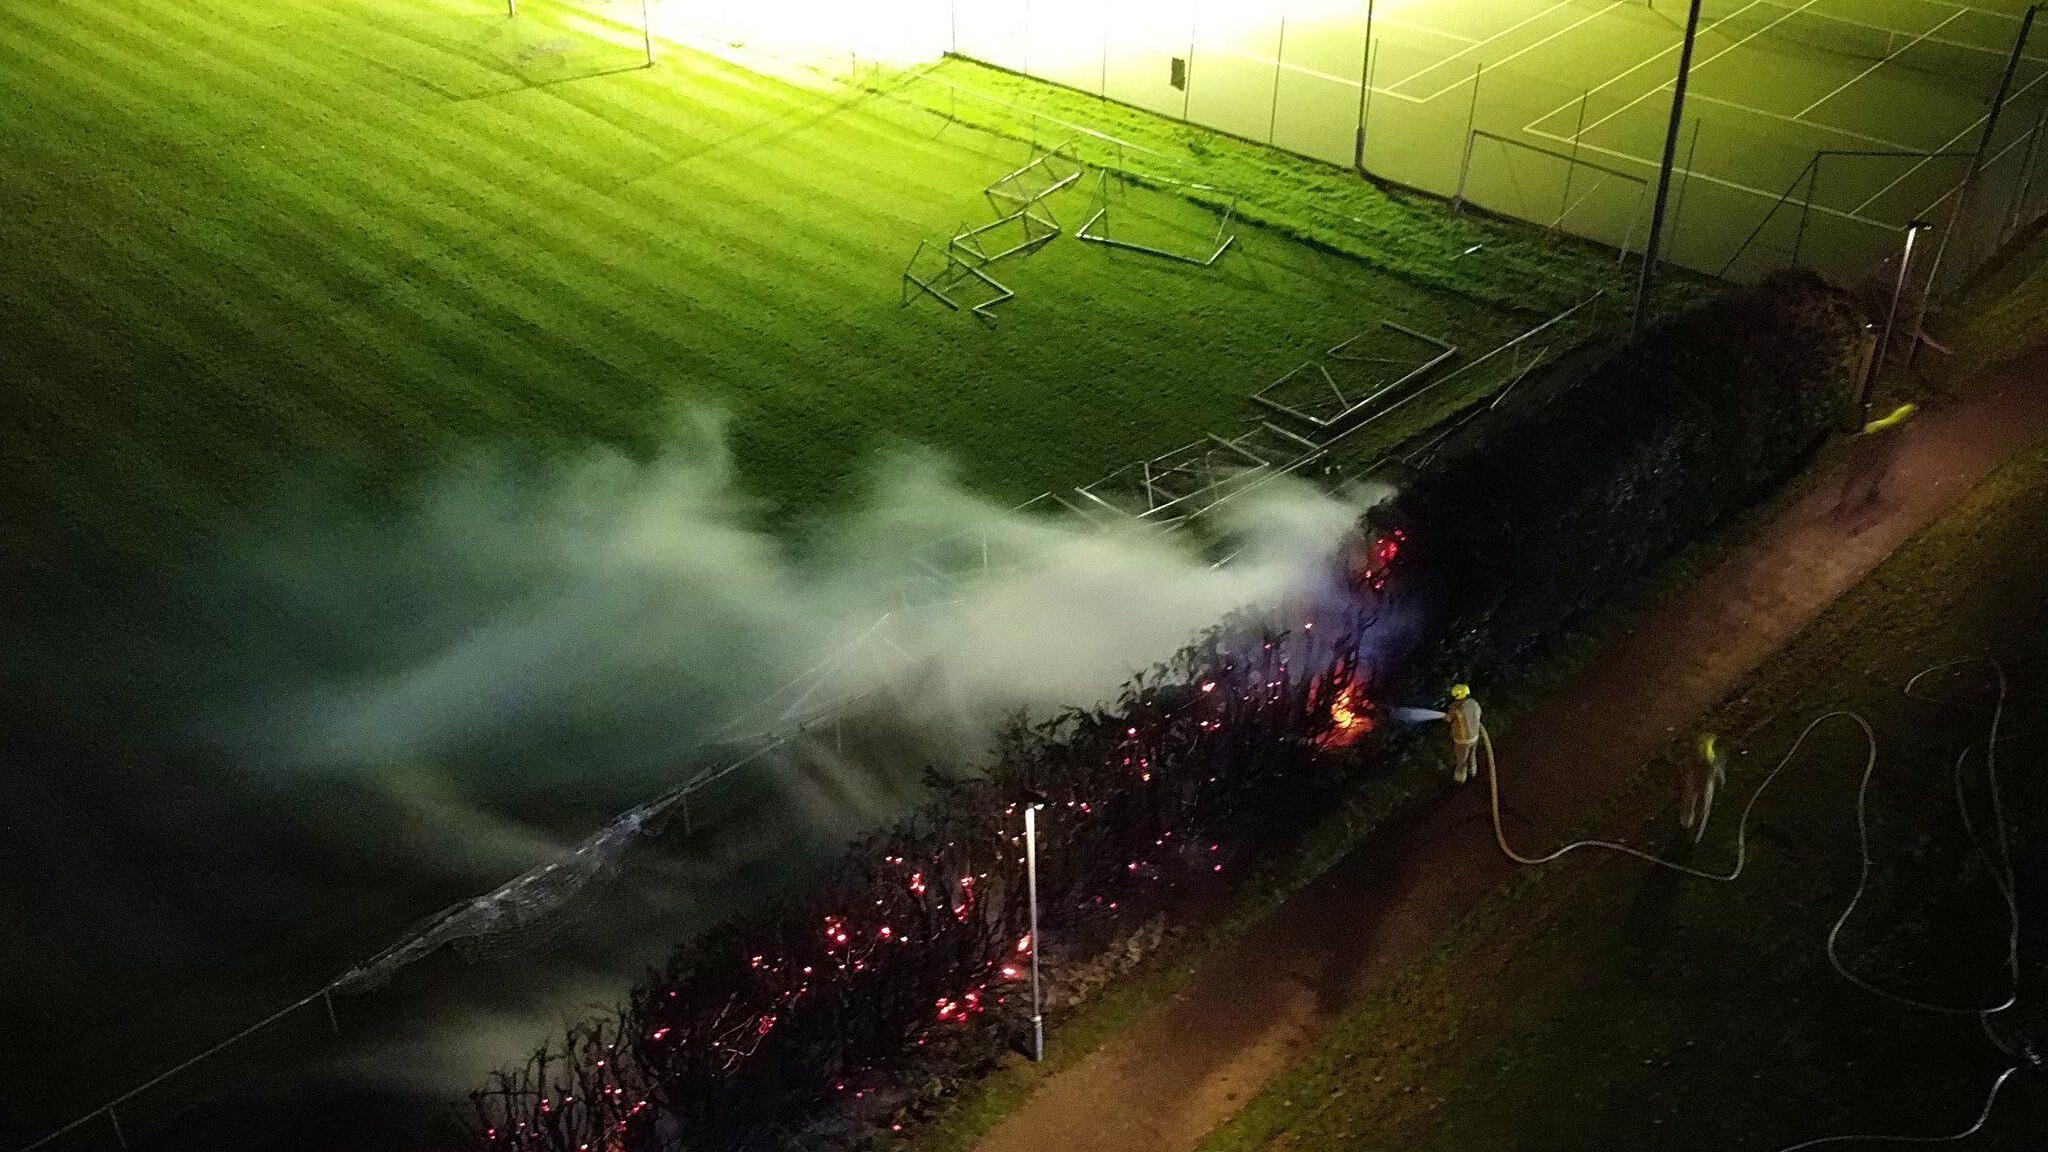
(1811, 139)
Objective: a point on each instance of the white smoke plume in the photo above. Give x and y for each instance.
(432, 706)
(633, 609)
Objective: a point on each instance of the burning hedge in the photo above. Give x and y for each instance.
(911, 959)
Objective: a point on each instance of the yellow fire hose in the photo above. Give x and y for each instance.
(2000, 865)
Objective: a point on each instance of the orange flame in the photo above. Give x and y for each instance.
(1348, 718)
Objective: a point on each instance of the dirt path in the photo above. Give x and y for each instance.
(1163, 1083)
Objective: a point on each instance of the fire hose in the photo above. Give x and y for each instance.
(2000, 865)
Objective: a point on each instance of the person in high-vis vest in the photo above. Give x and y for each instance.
(1703, 774)
(1463, 717)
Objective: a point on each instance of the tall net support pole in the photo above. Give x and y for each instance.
(1471, 122)
(1102, 78)
(1805, 211)
(1684, 183)
(647, 33)
(1279, 55)
(1566, 205)
(1959, 215)
(1364, 91)
(2024, 186)
(1649, 275)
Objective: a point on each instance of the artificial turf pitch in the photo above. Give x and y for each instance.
(333, 244)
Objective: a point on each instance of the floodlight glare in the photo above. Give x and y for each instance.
(882, 31)
(1053, 36)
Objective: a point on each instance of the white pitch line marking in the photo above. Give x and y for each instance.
(1645, 62)
(1889, 57)
(1703, 63)
(1815, 125)
(1526, 49)
(1319, 74)
(1928, 212)
(1734, 185)
(1999, 53)
(1478, 44)
(1426, 30)
(1967, 129)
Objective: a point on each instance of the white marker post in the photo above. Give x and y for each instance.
(1031, 881)
(1913, 230)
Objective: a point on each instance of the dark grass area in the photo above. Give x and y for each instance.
(1596, 1004)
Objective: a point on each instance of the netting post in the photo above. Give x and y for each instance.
(1103, 83)
(511, 7)
(2025, 183)
(1565, 205)
(1805, 211)
(1684, 182)
(1471, 121)
(1692, 35)
(327, 998)
(1958, 218)
(120, 1137)
(686, 814)
(1364, 91)
(1279, 54)
(647, 33)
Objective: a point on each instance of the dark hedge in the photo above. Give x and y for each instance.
(1534, 519)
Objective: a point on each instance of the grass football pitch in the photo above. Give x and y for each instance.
(329, 245)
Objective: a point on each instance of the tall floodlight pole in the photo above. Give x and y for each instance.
(1031, 882)
(1884, 341)
(1364, 90)
(1692, 32)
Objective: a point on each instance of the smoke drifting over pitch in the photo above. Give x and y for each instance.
(606, 619)
(338, 727)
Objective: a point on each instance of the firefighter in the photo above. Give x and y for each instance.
(1463, 717)
(1702, 775)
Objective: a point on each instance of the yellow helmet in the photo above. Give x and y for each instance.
(1460, 691)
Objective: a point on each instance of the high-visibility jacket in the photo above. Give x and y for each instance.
(1464, 718)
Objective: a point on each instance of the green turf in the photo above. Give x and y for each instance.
(1524, 269)
(1572, 103)
(253, 247)
(1598, 1004)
